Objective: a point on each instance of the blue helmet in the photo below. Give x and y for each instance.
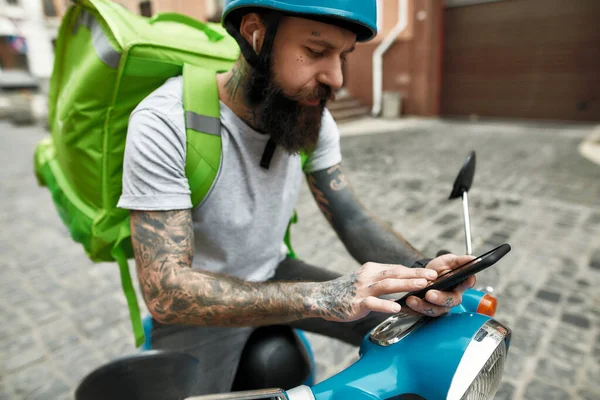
(359, 16)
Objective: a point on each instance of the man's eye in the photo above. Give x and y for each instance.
(315, 54)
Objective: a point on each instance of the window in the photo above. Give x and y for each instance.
(49, 8)
(13, 53)
(214, 9)
(146, 8)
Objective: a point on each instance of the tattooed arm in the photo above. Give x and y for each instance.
(366, 237)
(164, 249)
(177, 294)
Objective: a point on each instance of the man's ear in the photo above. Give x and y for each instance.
(250, 24)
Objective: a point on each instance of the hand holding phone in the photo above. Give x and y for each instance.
(451, 279)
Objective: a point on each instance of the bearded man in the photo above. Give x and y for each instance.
(211, 274)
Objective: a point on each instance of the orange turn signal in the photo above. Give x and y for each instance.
(487, 305)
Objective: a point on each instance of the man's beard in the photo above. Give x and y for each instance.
(291, 125)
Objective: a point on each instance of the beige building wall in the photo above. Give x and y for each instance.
(199, 9)
(388, 17)
(195, 9)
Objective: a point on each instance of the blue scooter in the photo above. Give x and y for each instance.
(460, 355)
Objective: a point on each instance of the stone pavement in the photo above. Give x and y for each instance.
(590, 147)
(62, 316)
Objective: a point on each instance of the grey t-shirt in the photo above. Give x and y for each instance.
(240, 225)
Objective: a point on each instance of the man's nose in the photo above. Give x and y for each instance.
(332, 75)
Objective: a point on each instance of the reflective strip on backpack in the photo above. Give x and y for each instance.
(202, 123)
(102, 46)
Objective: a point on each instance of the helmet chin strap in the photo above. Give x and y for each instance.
(270, 147)
(259, 60)
(268, 152)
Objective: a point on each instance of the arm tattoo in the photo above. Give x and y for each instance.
(366, 237)
(163, 244)
(322, 202)
(337, 297)
(338, 182)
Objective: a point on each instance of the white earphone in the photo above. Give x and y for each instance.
(254, 40)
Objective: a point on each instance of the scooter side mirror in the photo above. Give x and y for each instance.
(464, 180)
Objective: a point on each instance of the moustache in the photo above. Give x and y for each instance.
(321, 93)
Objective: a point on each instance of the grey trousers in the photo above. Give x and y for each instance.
(219, 349)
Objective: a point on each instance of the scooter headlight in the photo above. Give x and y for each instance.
(487, 382)
(481, 368)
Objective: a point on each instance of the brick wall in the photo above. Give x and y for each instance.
(411, 66)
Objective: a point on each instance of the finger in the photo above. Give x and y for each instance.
(444, 299)
(442, 263)
(381, 305)
(425, 308)
(470, 282)
(401, 272)
(467, 284)
(460, 260)
(452, 298)
(383, 271)
(392, 285)
(373, 268)
(448, 262)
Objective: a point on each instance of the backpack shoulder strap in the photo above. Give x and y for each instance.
(303, 158)
(203, 129)
(203, 134)
(287, 239)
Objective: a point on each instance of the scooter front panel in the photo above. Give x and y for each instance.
(424, 362)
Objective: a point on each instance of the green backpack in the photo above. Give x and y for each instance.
(107, 61)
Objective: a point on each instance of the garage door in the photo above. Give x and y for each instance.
(523, 59)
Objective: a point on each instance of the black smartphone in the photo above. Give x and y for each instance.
(451, 279)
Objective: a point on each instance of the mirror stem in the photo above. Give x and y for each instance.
(465, 201)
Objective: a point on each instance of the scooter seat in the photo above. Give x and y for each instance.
(274, 356)
(148, 375)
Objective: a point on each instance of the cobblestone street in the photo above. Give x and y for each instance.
(63, 316)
